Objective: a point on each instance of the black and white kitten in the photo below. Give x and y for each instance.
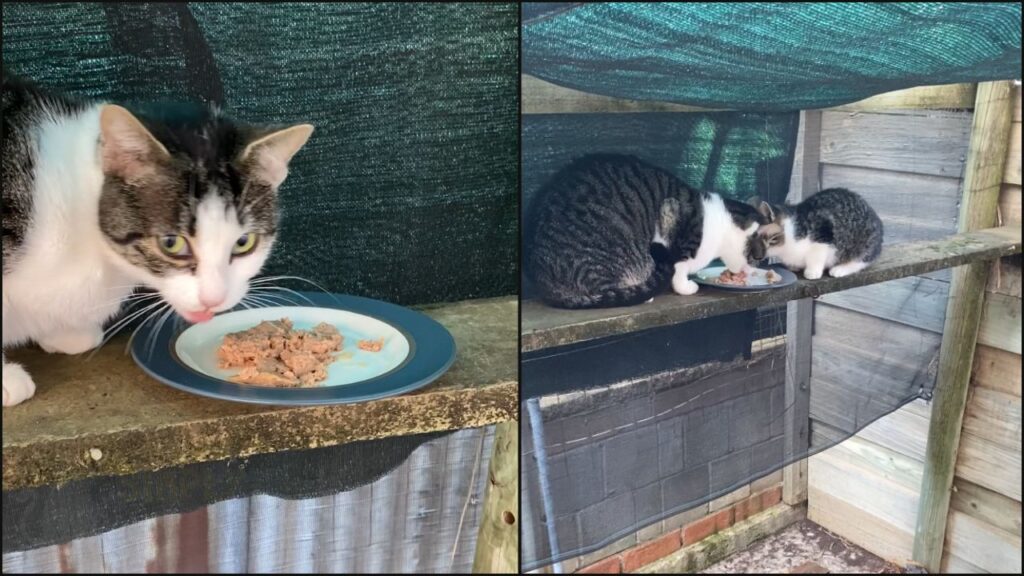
(98, 201)
(834, 229)
(612, 230)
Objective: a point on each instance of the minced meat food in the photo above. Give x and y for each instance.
(273, 353)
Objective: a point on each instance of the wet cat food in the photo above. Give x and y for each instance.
(274, 353)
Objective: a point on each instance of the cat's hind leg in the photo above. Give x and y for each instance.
(73, 340)
(847, 269)
(681, 282)
(17, 384)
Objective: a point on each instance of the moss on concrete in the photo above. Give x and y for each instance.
(138, 424)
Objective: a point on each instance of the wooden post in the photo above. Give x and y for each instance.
(799, 323)
(983, 174)
(497, 542)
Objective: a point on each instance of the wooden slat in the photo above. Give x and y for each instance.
(799, 326)
(997, 370)
(952, 564)
(934, 144)
(981, 544)
(850, 521)
(1000, 325)
(982, 175)
(991, 465)
(994, 416)
(915, 301)
(986, 505)
(497, 544)
(544, 326)
(933, 200)
(1016, 104)
(877, 496)
(1005, 277)
(1009, 204)
(1012, 170)
(889, 464)
(542, 97)
(946, 96)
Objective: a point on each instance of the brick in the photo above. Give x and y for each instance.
(607, 517)
(730, 470)
(809, 568)
(771, 497)
(723, 519)
(699, 530)
(706, 434)
(740, 511)
(687, 487)
(612, 565)
(750, 419)
(677, 521)
(647, 553)
(612, 549)
(766, 455)
(577, 478)
(723, 502)
(754, 505)
(670, 446)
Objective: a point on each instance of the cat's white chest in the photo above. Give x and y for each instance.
(42, 296)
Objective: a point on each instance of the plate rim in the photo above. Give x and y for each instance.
(788, 279)
(418, 365)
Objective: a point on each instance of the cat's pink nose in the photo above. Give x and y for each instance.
(211, 302)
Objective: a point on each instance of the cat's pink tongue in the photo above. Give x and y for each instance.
(196, 317)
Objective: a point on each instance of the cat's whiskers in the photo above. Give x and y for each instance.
(266, 279)
(120, 324)
(270, 294)
(151, 340)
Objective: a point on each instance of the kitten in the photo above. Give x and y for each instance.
(834, 229)
(610, 230)
(98, 201)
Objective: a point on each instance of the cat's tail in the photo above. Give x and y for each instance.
(616, 296)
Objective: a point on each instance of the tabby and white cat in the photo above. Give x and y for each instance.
(612, 230)
(834, 229)
(98, 201)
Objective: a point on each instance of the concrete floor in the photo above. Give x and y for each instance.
(803, 545)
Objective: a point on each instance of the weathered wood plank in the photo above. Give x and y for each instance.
(542, 97)
(799, 326)
(544, 326)
(934, 200)
(986, 505)
(997, 369)
(1016, 104)
(44, 439)
(990, 464)
(1011, 174)
(982, 178)
(876, 495)
(903, 431)
(915, 301)
(981, 544)
(497, 543)
(850, 521)
(952, 564)
(934, 143)
(1009, 204)
(945, 96)
(994, 416)
(887, 463)
(1000, 324)
(1005, 277)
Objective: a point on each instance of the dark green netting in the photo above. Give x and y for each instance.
(768, 55)
(406, 192)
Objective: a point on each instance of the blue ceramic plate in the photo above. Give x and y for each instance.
(708, 277)
(417, 350)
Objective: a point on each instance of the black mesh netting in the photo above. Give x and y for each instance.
(406, 192)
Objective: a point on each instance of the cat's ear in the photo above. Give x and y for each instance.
(129, 150)
(272, 152)
(767, 211)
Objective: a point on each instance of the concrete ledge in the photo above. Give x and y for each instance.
(103, 416)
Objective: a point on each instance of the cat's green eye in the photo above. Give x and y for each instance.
(174, 245)
(245, 243)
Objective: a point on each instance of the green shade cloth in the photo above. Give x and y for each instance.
(768, 55)
(407, 190)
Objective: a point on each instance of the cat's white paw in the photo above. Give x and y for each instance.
(73, 341)
(649, 301)
(18, 385)
(683, 285)
(812, 274)
(847, 269)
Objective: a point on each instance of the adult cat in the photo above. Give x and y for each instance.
(612, 230)
(98, 201)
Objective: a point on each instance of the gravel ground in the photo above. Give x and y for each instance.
(803, 547)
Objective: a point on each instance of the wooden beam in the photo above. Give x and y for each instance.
(541, 97)
(946, 96)
(986, 160)
(497, 542)
(799, 324)
(546, 327)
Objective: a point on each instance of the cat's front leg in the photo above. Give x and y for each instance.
(681, 282)
(737, 264)
(18, 385)
(817, 256)
(73, 340)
